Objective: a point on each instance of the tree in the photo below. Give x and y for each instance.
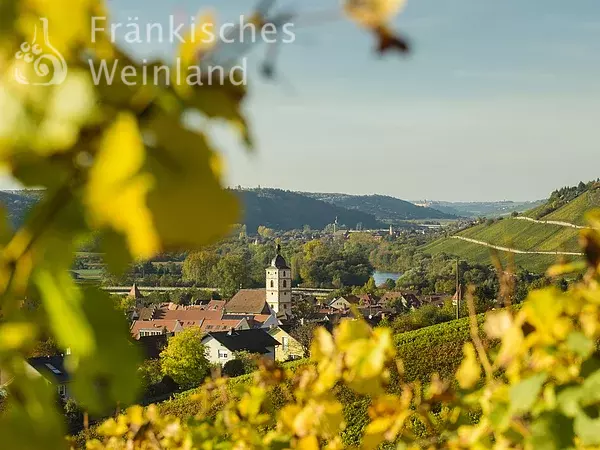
(370, 287)
(389, 284)
(265, 232)
(232, 273)
(150, 372)
(303, 333)
(199, 266)
(184, 358)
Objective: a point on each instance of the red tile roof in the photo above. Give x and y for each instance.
(168, 325)
(248, 301)
(220, 325)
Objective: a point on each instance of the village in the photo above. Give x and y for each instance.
(263, 322)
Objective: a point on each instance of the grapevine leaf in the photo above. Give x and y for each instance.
(189, 206)
(63, 303)
(551, 431)
(524, 394)
(116, 190)
(579, 343)
(587, 429)
(30, 419)
(108, 376)
(469, 371)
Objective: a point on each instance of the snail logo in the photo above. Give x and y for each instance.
(49, 66)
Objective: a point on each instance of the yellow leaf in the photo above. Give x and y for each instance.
(469, 371)
(497, 323)
(197, 43)
(349, 331)
(189, 206)
(322, 347)
(117, 189)
(308, 443)
(373, 13)
(16, 335)
(376, 430)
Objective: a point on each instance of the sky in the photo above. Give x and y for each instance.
(498, 100)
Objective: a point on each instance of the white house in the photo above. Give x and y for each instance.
(220, 346)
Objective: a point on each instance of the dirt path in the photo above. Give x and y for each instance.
(553, 222)
(514, 250)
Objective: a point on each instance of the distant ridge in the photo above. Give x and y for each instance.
(383, 207)
(287, 210)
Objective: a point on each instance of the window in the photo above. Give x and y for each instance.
(284, 343)
(271, 283)
(223, 354)
(62, 390)
(284, 283)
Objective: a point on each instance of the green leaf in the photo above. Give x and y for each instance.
(590, 390)
(587, 429)
(577, 342)
(524, 394)
(568, 400)
(107, 377)
(551, 431)
(30, 420)
(63, 302)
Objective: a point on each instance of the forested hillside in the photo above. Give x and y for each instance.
(383, 207)
(286, 210)
(551, 227)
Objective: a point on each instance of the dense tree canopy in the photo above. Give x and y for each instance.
(184, 358)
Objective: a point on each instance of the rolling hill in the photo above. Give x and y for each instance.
(383, 207)
(544, 234)
(286, 210)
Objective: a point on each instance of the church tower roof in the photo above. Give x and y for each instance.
(135, 292)
(279, 261)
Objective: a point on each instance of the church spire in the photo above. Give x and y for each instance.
(279, 261)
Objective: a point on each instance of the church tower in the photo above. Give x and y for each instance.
(279, 285)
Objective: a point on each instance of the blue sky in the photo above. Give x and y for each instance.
(499, 100)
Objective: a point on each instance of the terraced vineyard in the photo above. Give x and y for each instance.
(525, 235)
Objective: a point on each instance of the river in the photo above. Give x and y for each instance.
(381, 277)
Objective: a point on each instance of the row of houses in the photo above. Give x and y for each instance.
(388, 302)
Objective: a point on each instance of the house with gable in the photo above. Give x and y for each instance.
(221, 345)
